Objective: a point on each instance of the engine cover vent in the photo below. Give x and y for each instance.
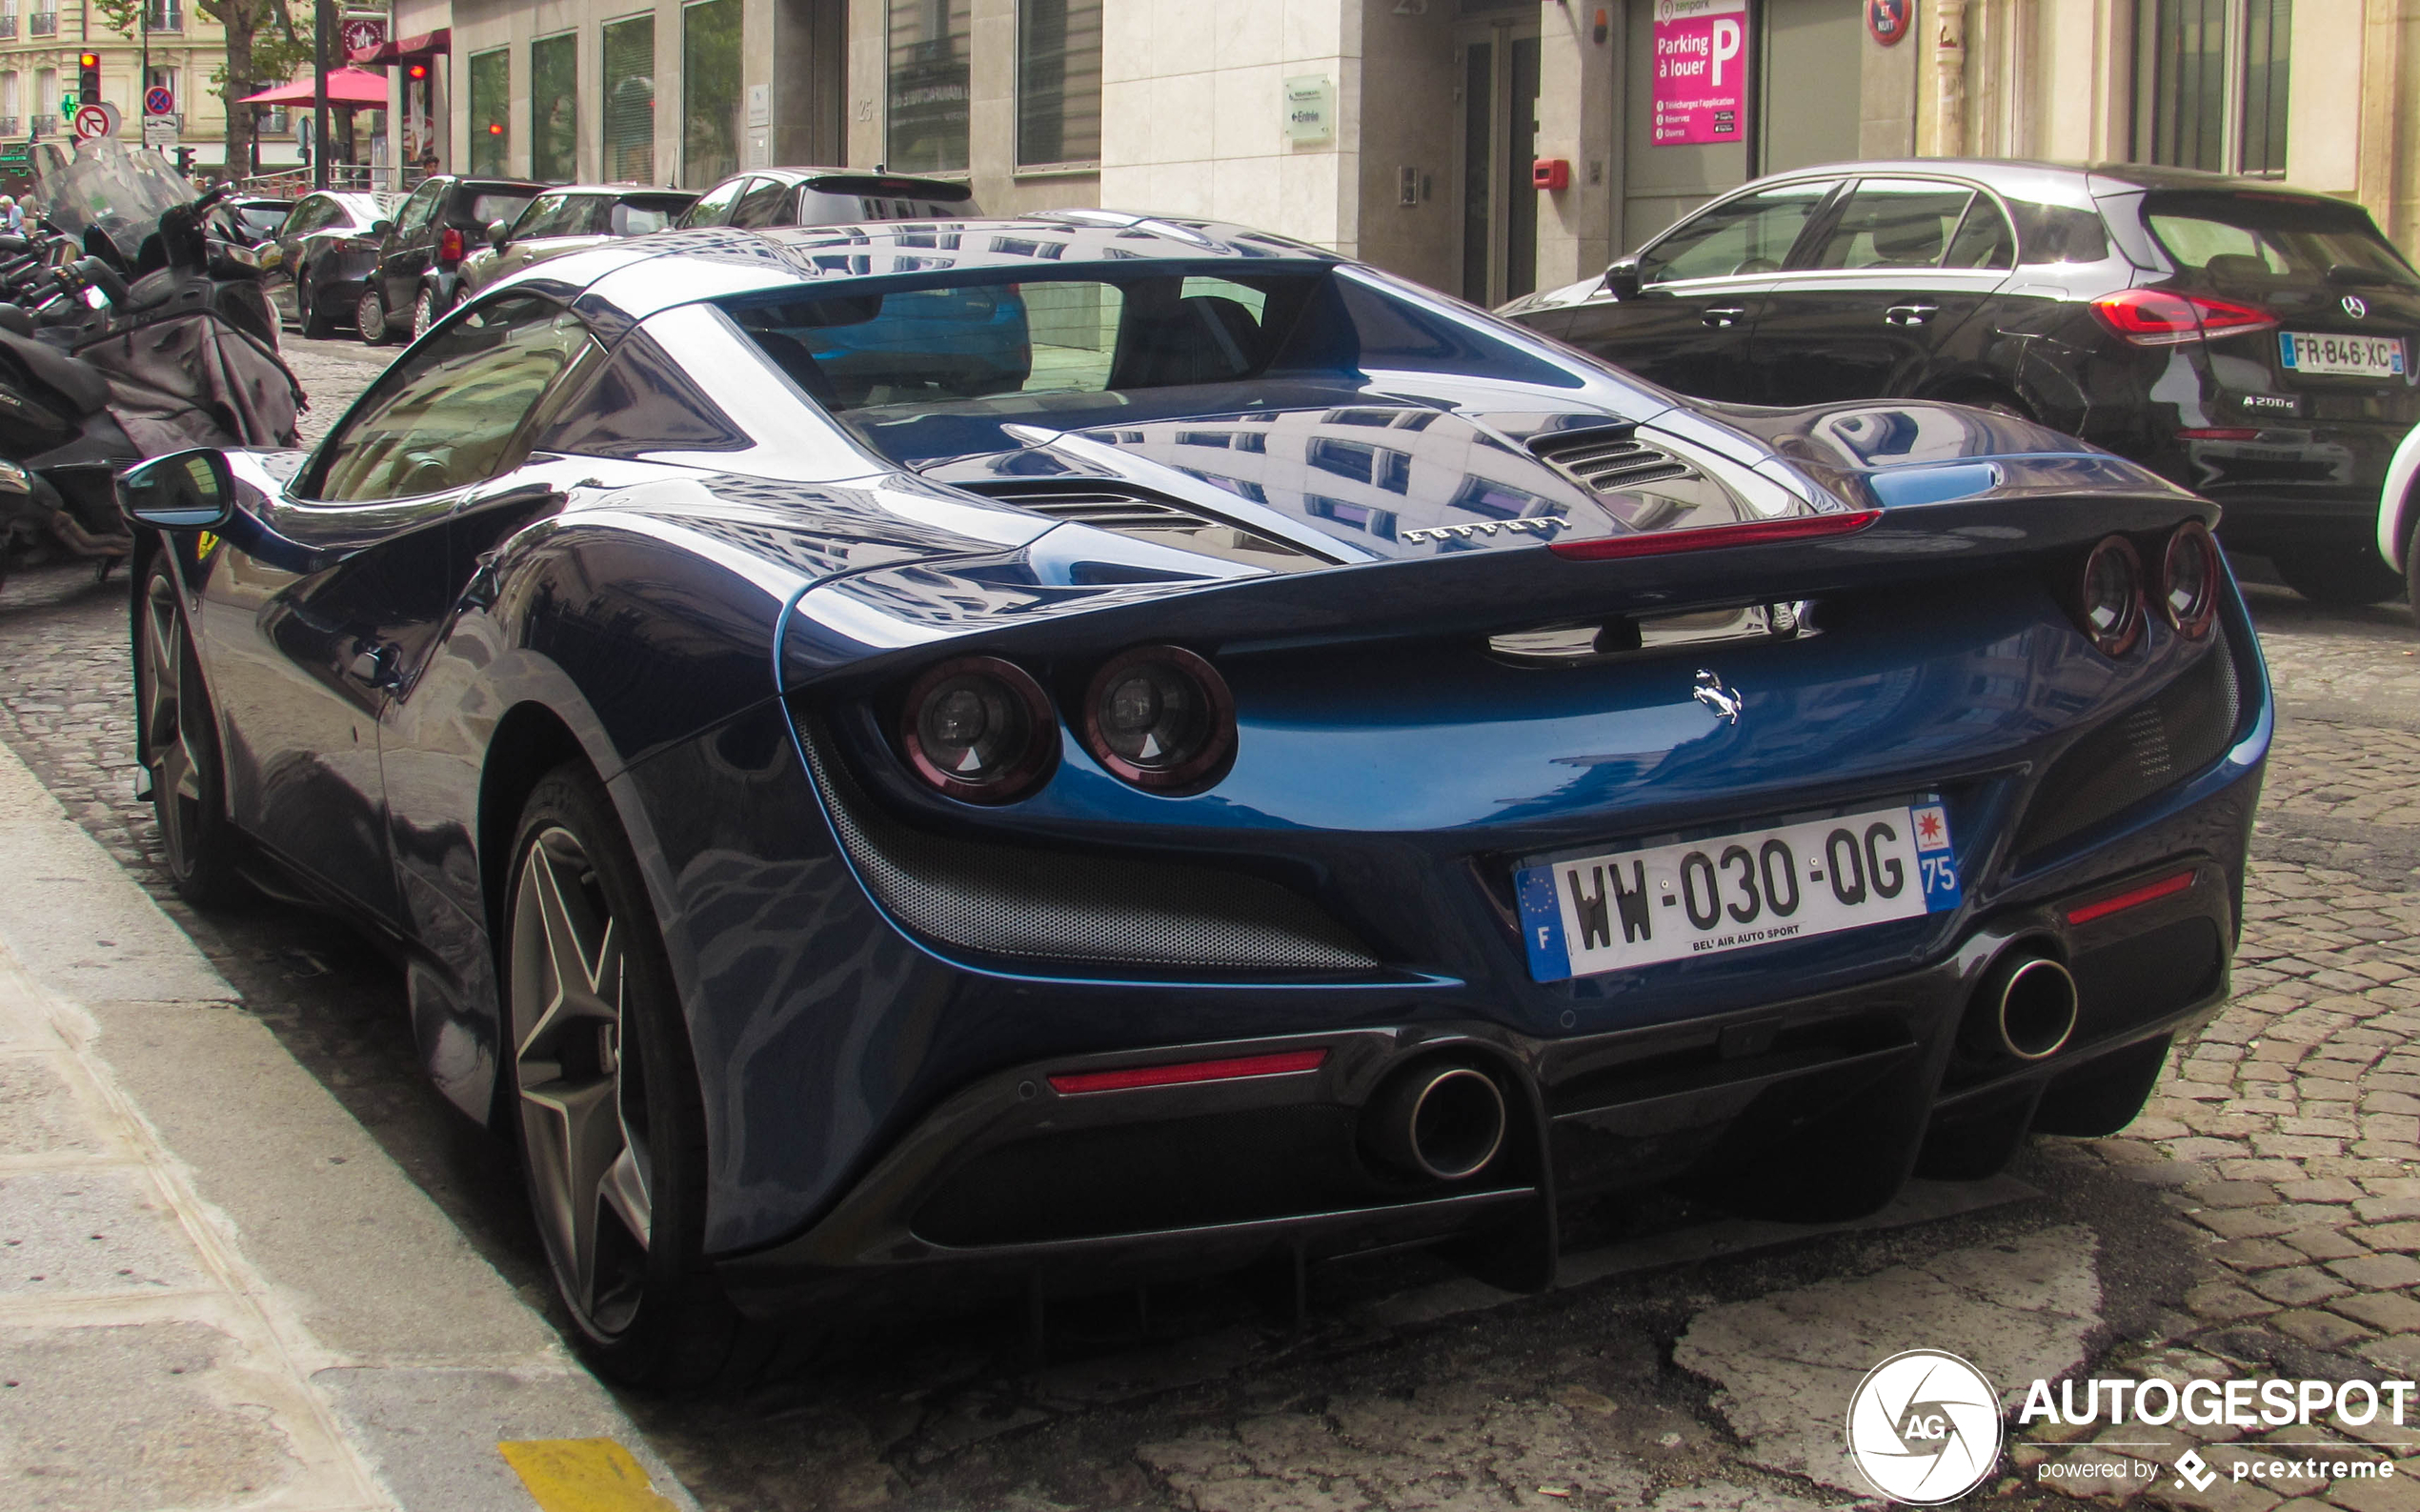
(1609, 459)
(1110, 505)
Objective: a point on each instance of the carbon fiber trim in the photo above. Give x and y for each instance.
(1007, 900)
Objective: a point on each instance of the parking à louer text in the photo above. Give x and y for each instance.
(2236, 1403)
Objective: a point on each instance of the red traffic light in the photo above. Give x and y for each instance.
(495, 128)
(418, 70)
(87, 81)
(89, 60)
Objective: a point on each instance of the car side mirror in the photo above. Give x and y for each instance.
(499, 233)
(1622, 279)
(182, 490)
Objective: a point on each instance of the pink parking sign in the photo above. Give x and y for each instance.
(1701, 72)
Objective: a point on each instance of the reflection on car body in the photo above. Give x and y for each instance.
(1286, 766)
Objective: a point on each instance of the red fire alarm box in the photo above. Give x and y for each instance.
(1550, 173)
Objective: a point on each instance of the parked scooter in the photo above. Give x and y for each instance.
(129, 331)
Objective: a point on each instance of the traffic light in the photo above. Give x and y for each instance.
(88, 78)
(416, 73)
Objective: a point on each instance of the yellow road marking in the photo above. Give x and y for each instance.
(581, 1475)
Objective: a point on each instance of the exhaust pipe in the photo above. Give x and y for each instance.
(1442, 1121)
(2026, 1008)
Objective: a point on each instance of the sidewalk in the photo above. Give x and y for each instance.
(216, 1290)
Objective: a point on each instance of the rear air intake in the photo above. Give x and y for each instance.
(1608, 459)
(1014, 900)
(2156, 744)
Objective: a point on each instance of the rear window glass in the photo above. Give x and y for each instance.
(491, 208)
(636, 217)
(2250, 239)
(1082, 339)
(2060, 233)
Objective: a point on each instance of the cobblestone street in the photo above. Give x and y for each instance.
(2262, 1217)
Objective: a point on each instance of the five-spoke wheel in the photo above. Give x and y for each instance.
(611, 1121)
(178, 742)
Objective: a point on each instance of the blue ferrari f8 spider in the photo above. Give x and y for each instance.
(910, 758)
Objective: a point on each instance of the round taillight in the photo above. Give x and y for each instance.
(980, 729)
(2189, 579)
(1162, 718)
(2110, 601)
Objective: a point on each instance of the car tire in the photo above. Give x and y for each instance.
(604, 1097)
(370, 313)
(2412, 575)
(2340, 576)
(426, 311)
(317, 323)
(178, 736)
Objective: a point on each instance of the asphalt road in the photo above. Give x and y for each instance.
(2262, 1217)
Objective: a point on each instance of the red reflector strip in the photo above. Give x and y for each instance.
(2219, 433)
(2131, 898)
(1127, 1078)
(1709, 537)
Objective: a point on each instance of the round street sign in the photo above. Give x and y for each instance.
(1889, 20)
(94, 120)
(157, 101)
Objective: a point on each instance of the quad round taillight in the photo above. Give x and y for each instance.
(980, 729)
(1162, 718)
(2110, 598)
(2189, 579)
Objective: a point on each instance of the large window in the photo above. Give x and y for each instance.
(630, 100)
(490, 103)
(1057, 81)
(2209, 87)
(555, 82)
(927, 121)
(446, 415)
(710, 91)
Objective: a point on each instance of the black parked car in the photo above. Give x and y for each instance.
(325, 252)
(2251, 342)
(827, 196)
(569, 220)
(252, 221)
(418, 275)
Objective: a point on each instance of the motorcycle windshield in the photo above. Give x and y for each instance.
(109, 186)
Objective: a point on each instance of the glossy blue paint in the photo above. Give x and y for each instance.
(702, 584)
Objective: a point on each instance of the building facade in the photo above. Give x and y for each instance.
(1486, 146)
(176, 47)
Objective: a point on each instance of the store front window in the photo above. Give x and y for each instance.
(629, 46)
(927, 119)
(710, 91)
(555, 82)
(1057, 81)
(2211, 84)
(491, 102)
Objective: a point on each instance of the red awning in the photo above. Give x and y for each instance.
(345, 87)
(427, 44)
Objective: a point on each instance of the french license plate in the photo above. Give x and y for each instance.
(1670, 903)
(2341, 356)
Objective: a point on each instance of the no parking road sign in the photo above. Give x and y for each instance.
(157, 101)
(94, 120)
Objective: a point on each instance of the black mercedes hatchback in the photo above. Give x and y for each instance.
(2253, 343)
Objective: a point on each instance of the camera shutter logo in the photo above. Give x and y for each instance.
(1923, 1427)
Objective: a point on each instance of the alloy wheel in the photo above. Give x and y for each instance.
(370, 316)
(168, 719)
(583, 1108)
(424, 314)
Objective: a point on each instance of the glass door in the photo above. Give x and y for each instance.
(1499, 140)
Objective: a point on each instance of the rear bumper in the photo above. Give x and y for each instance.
(1013, 1181)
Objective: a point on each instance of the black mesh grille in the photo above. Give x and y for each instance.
(2157, 743)
(1609, 460)
(1012, 901)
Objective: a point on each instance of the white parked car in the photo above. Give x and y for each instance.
(2399, 516)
